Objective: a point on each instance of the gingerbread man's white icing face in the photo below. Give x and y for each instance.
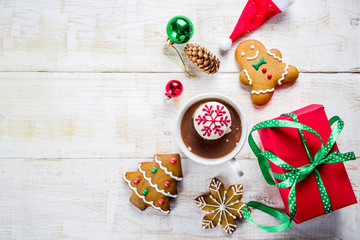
(252, 56)
(252, 47)
(262, 69)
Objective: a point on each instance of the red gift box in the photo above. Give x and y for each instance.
(286, 143)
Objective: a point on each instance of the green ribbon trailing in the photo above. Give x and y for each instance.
(295, 175)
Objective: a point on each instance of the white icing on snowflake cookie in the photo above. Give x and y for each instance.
(212, 120)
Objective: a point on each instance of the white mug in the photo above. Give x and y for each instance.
(230, 158)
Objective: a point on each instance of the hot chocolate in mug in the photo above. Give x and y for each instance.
(211, 152)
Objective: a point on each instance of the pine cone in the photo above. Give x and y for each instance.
(202, 58)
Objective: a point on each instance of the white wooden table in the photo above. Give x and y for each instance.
(81, 90)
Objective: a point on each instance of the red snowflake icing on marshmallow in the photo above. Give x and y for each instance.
(212, 120)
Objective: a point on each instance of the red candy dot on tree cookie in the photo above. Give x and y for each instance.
(167, 183)
(161, 201)
(173, 160)
(269, 76)
(136, 180)
(264, 70)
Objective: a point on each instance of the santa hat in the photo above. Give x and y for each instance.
(255, 13)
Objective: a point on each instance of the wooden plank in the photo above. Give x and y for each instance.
(88, 199)
(127, 36)
(113, 115)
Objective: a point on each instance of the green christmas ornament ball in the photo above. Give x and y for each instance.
(180, 29)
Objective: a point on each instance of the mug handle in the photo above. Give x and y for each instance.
(236, 167)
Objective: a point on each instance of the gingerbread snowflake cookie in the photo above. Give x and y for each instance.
(155, 182)
(222, 206)
(262, 69)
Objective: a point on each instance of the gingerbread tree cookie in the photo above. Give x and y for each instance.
(262, 69)
(155, 182)
(222, 206)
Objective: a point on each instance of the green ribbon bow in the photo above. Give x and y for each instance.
(295, 175)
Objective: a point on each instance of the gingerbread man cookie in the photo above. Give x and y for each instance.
(262, 69)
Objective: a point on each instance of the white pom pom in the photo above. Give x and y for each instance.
(283, 4)
(225, 44)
